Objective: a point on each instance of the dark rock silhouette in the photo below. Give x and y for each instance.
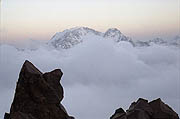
(119, 114)
(6, 116)
(38, 95)
(162, 110)
(140, 110)
(144, 110)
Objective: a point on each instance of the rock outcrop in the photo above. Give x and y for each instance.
(162, 110)
(144, 110)
(119, 114)
(38, 95)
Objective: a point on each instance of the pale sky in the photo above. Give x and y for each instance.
(41, 19)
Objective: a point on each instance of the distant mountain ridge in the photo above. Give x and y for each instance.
(71, 37)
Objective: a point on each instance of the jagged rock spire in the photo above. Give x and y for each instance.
(38, 95)
(141, 109)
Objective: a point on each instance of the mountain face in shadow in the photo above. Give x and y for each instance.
(142, 109)
(38, 95)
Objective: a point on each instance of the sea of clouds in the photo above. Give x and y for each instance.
(99, 75)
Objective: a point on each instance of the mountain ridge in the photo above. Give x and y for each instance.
(74, 36)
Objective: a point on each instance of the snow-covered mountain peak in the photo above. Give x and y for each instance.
(82, 31)
(71, 37)
(176, 41)
(177, 37)
(158, 40)
(116, 35)
(113, 30)
(112, 33)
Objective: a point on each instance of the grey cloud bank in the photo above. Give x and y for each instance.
(99, 76)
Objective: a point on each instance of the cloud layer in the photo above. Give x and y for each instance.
(99, 76)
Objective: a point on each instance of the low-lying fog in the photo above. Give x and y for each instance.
(99, 76)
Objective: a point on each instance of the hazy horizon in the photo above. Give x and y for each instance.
(101, 72)
(40, 20)
(99, 76)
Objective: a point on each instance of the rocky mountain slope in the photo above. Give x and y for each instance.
(38, 95)
(142, 109)
(159, 41)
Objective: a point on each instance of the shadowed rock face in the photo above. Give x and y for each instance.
(144, 110)
(162, 110)
(38, 95)
(119, 114)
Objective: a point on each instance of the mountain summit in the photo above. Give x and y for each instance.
(71, 37)
(74, 36)
(38, 95)
(114, 33)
